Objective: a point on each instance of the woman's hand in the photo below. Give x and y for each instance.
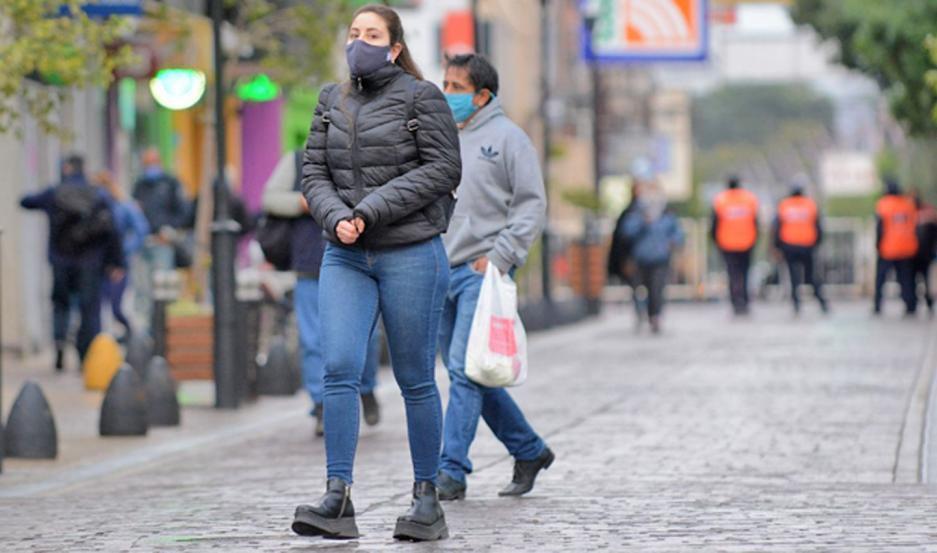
(347, 232)
(359, 225)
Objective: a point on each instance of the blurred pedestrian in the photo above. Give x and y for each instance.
(132, 228)
(159, 194)
(735, 232)
(897, 244)
(655, 233)
(798, 232)
(927, 245)
(284, 199)
(621, 266)
(83, 247)
(500, 213)
(381, 167)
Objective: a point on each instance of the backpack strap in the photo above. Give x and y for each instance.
(326, 113)
(298, 179)
(413, 124)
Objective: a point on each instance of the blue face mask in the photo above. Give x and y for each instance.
(461, 105)
(364, 59)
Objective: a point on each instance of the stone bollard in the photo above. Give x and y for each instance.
(124, 410)
(162, 405)
(30, 431)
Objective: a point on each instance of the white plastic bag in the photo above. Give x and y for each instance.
(496, 355)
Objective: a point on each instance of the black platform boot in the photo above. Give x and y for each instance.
(332, 517)
(425, 521)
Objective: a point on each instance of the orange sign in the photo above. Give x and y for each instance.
(649, 30)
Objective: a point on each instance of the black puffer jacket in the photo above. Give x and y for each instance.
(365, 162)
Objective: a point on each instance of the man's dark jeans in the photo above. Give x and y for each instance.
(904, 270)
(800, 264)
(81, 281)
(737, 265)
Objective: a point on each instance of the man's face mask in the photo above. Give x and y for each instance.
(364, 59)
(461, 105)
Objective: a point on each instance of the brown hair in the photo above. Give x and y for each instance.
(395, 28)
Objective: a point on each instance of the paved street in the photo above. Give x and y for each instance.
(760, 434)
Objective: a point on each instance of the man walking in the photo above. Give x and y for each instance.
(83, 246)
(897, 244)
(282, 198)
(927, 246)
(797, 234)
(735, 232)
(500, 212)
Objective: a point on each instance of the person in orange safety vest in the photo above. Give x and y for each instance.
(735, 232)
(797, 234)
(897, 244)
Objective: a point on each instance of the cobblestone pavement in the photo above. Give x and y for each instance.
(764, 434)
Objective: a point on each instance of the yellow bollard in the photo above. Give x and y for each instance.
(101, 362)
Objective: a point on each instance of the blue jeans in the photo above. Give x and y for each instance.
(306, 305)
(406, 286)
(71, 280)
(468, 400)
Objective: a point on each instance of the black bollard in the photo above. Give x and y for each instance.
(123, 411)
(30, 431)
(277, 375)
(139, 351)
(162, 404)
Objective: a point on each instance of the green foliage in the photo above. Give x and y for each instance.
(885, 40)
(295, 42)
(931, 75)
(850, 206)
(769, 131)
(752, 114)
(583, 198)
(38, 45)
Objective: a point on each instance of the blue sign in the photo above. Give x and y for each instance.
(110, 8)
(646, 30)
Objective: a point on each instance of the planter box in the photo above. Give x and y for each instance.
(189, 346)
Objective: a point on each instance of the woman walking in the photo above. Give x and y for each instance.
(381, 166)
(133, 229)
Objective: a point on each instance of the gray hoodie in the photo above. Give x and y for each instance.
(502, 202)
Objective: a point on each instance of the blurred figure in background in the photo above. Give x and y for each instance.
(160, 196)
(927, 245)
(132, 228)
(897, 244)
(83, 247)
(620, 264)
(283, 198)
(654, 234)
(798, 232)
(735, 232)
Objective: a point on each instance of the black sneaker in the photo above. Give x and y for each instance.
(332, 517)
(320, 420)
(449, 488)
(425, 521)
(372, 411)
(525, 473)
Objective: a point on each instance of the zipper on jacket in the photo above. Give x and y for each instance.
(355, 164)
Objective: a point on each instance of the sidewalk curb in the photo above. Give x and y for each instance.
(917, 444)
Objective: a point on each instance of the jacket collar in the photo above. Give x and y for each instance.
(492, 110)
(379, 79)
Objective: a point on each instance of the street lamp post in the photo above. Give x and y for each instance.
(546, 280)
(224, 235)
(592, 238)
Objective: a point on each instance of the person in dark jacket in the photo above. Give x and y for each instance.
(927, 245)
(83, 247)
(798, 232)
(160, 196)
(283, 198)
(132, 229)
(654, 233)
(381, 167)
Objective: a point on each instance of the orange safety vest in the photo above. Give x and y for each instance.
(736, 216)
(797, 221)
(899, 225)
